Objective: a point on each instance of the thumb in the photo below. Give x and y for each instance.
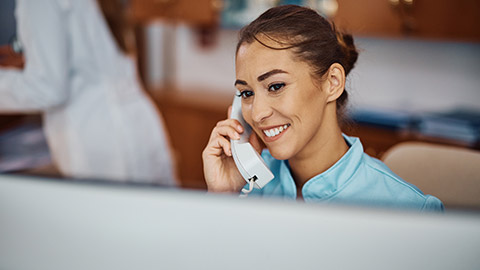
(257, 144)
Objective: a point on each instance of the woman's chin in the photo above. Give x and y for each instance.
(280, 154)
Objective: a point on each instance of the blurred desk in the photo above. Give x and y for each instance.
(10, 59)
(9, 120)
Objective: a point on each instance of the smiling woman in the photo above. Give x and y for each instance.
(291, 67)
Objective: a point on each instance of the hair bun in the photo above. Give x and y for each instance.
(349, 51)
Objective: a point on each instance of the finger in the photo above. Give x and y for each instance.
(219, 146)
(225, 132)
(231, 122)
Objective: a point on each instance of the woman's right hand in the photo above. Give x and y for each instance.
(220, 171)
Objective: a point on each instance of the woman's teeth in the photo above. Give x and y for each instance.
(275, 131)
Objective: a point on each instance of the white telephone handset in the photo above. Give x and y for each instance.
(248, 161)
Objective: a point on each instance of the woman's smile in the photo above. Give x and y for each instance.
(274, 133)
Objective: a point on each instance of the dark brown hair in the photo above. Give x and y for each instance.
(114, 12)
(311, 37)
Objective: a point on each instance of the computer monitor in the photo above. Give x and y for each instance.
(59, 224)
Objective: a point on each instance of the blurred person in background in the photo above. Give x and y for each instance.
(78, 71)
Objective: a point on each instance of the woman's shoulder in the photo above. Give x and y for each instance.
(383, 179)
(375, 167)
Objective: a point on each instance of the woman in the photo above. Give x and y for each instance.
(291, 66)
(98, 121)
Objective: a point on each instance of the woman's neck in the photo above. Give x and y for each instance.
(318, 156)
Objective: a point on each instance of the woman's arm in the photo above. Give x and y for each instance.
(43, 83)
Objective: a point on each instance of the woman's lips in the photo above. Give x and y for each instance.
(274, 133)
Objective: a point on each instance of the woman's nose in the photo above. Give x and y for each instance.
(261, 109)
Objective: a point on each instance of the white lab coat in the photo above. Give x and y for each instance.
(98, 121)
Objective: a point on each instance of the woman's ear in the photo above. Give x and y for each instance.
(335, 82)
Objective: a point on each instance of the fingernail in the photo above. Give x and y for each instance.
(239, 128)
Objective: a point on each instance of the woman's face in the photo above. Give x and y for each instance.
(281, 101)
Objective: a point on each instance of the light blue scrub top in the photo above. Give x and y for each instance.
(356, 179)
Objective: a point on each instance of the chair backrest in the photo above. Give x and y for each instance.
(449, 173)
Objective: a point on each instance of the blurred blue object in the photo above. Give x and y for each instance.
(291, 2)
(391, 119)
(462, 125)
(23, 147)
(234, 13)
(238, 13)
(7, 21)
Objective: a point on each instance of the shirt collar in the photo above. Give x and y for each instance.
(326, 184)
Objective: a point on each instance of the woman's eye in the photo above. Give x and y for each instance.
(246, 93)
(275, 87)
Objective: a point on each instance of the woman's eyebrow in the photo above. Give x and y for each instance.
(240, 82)
(262, 77)
(270, 73)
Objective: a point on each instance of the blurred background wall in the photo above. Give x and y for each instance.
(398, 73)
